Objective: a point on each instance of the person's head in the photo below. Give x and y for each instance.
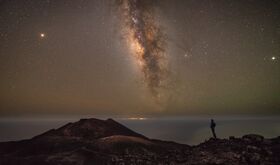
(212, 120)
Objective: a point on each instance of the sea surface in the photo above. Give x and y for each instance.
(189, 130)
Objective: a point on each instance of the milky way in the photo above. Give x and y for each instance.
(147, 41)
(139, 58)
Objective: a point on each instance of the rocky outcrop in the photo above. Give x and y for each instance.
(93, 141)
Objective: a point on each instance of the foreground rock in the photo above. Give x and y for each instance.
(93, 141)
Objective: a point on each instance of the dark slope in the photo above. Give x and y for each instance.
(91, 129)
(93, 141)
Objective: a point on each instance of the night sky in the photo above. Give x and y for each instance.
(133, 57)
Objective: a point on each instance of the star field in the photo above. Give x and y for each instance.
(71, 57)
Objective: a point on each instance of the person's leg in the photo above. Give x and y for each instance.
(213, 132)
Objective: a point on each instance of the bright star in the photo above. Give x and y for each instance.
(273, 58)
(42, 35)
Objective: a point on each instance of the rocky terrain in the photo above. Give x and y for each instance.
(94, 141)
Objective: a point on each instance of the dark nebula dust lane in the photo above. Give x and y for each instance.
(147, 41)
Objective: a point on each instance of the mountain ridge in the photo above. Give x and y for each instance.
(95, 141)
(91, 129)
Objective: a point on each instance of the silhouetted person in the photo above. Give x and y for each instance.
(212, 126)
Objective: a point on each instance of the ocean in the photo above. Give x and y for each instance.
(189, 130)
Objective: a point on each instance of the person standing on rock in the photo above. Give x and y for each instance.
(212, 126)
